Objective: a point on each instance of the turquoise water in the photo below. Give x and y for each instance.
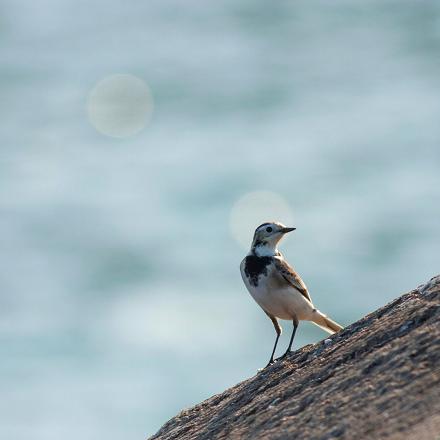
(121, 300)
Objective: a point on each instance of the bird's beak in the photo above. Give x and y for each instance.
(286, 230)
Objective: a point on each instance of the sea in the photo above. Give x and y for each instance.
(141, 144)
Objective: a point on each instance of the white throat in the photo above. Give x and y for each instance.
(265, 250)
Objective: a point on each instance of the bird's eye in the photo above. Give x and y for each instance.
(269, 229)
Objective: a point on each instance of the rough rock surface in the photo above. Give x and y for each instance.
(379, 378)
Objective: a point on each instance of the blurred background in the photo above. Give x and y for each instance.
(141, 144)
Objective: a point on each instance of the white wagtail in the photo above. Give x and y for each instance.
(275, 285)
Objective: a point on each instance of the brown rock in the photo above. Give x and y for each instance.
(379, 378)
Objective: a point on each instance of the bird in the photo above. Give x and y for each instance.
(276, 287)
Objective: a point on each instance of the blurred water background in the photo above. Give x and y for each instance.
(121, 300)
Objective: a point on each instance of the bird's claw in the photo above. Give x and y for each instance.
(271, 362)
(286, 354)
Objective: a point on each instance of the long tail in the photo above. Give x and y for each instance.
(325, 322)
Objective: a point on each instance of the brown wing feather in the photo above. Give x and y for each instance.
(289, 274)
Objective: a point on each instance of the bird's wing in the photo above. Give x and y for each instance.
(289, 274)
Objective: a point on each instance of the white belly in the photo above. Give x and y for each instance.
(284, 303)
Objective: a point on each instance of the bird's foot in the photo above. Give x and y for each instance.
(286, 354)
(271, 362)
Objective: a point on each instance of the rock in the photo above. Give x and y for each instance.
(377, 378)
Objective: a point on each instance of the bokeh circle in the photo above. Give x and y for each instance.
(120, 105)
(254, 208)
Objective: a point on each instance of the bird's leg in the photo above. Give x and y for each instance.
(295, 326)
(271, 360)
(278, 330)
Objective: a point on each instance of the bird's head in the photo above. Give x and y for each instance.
(267, 236)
